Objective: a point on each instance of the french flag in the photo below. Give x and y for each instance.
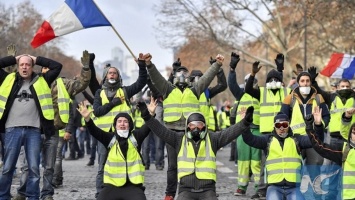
(72, 16)
(340, 66)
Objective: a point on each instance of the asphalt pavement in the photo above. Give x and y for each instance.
(79, 180)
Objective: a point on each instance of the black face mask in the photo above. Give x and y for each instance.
(345, 93)
(195, 133)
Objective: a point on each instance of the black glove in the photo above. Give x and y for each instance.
(212, 60)
(309, 120)
(248, 119)
(280, 62)
(234, 60)
(116, 101)
(256, 67)
(144, 110)
(141, 64)
(176, 64)
(313, 72)
(92, 57)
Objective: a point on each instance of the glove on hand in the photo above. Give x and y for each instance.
(176, 64)
(212, 60)
(313, 72)
(309, 120)
(92, 57)
(144, 111)
(280, 62)
(85, 59)
(256, 67)
(234, 60)
(116, 101)
(11, 50)
(248, 119)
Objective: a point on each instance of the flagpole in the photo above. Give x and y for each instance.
(119, 36)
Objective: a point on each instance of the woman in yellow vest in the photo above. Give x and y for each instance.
(342, 154)
(124, 167)
(283, 160)
(196, 150)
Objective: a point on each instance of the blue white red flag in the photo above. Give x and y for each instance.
(72, 16)
(340, 66)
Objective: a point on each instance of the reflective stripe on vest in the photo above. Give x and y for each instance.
(224, 121)
(204, 165)
(180, 104)
(245, 102)
(349, 175)
(105, 122)
(138, 120)
(337, 108)
(283, 163)
(63, 101)
(5, 90)
(117, 167)
(270, 105)
(297, 119)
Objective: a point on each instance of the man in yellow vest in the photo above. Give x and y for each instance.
(196, 150)
(26, 111)
(270, 97)
(112, 99)
(248, 157)
(124, 169)
(180, 99)
(299, 104)
(342, 154)
(284, 161)
(62, 90)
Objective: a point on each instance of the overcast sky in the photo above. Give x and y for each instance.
(134, 21)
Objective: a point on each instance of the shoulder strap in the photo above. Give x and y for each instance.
(134, 141)
(126, 96)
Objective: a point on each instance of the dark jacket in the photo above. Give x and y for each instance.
(47, 126)
(262, 142)
(130, 91)
(218, 140)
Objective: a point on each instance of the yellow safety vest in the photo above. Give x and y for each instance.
(283, 163)
(138, 120)
(42, 91)
(337, 108)
(204, 107)
(297, 119)
(180, 104)
(117, 168)
(5, 90)
(270, 105)
(211, 119)
(349, 174)
(63, 101)
(61, 132)
(105, 122)
(224, 120)
(245, 102)
(204, 165)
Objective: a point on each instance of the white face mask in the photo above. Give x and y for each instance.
(305, 90)
(123, 133)
(112, 81)
(273, 85)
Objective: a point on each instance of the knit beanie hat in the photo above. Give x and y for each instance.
(273, 74)
(280, 117)
(127, 116)
(303, 74)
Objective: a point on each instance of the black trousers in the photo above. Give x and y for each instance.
(129, 192)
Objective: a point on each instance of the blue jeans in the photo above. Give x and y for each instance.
(30, 137)
(279, 193)
(102, 156)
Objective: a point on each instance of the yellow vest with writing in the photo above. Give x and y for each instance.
(270, 105)
(117, 167)
(105, 122)
(204, 165)
(180, 104)
(337, 108)
(283, 163)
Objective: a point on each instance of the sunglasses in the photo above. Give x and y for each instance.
(278, 125)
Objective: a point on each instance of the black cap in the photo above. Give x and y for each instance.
(196, 116)
(273, 74)
(281, 117)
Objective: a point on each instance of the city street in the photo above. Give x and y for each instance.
(79, 180)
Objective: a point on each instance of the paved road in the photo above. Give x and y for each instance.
(79, 180)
